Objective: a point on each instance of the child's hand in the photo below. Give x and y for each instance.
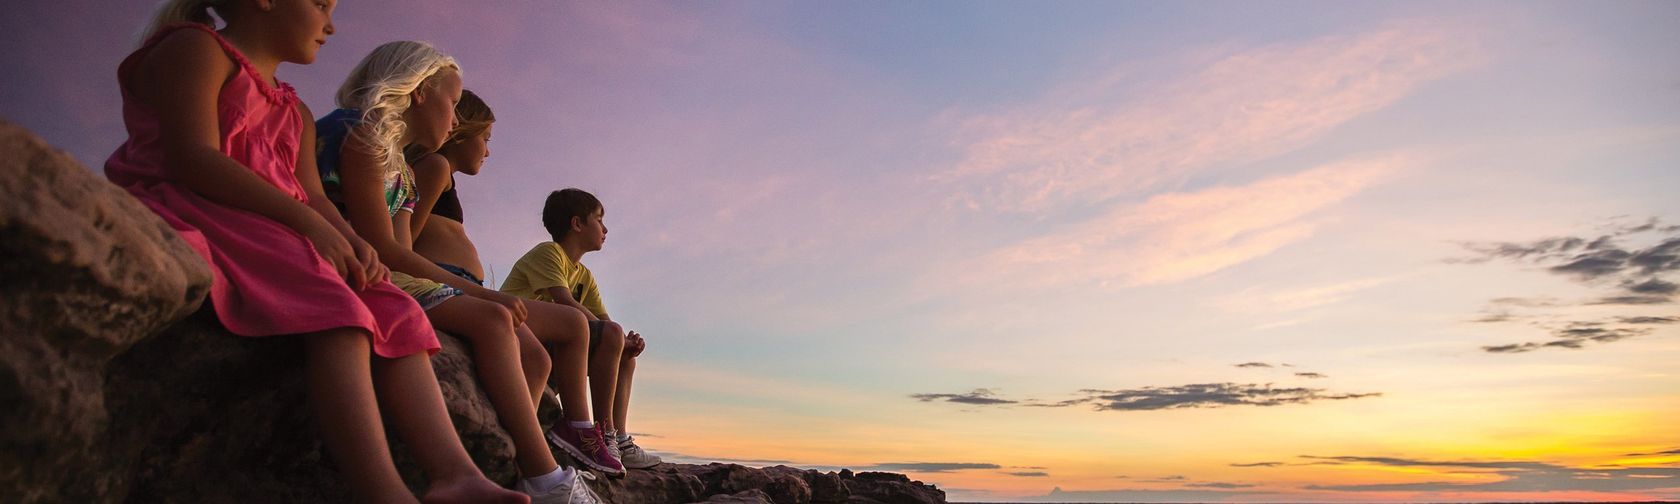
(333, 248)
(514, 304)
(634, 344)
(375, 271)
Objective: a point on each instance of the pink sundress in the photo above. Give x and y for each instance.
(268, 278)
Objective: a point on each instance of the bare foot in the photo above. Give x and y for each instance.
(472, 490)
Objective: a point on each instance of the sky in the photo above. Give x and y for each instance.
(1077, 251)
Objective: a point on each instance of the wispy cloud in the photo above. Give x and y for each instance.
(1029, 474)
(1635, 273)
(1204, 395)
(1258, 300)
(980, 397)
(1057, 494)
(1077, 146)
(1178, 236)
(1254, 365)
(1518, 476)
(1258, 464)
(1577, 335)
(1311, 375)
(1592, 260)
(1219, 484)
(931, 467)
(701, 459)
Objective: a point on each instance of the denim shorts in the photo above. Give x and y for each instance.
(461, 272)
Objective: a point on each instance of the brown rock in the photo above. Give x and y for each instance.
(88, 272)
(891, 488)
(748, 497)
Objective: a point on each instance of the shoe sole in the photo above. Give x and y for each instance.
(580, 457)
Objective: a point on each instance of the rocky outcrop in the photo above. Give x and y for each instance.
(88, 273)
(120, 387)
(677, 483)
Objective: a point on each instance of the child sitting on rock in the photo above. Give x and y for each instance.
(224, 153)
(552, 273)
(442, 239)
(398, 101)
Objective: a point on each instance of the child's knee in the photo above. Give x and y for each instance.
(612, 335)
(497, 318)
(533, 357)
(575, 321)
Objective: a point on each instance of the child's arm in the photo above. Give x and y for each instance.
(431, 173)
(309, 176)
(181, 79)
(563, 296)
(633, 342)
(360, 174)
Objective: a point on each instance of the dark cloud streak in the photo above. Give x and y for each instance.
(978, 397)
(931, 467)
(1202, 395)
(1635, 274)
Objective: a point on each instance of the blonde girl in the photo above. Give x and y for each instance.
(399, 103)
(219, 149)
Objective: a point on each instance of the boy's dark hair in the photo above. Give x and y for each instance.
(562, 206)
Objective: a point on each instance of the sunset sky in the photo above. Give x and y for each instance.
(1078, 251)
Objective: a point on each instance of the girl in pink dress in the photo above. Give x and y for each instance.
(222, 152)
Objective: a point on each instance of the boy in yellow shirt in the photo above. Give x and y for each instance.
(551, 272)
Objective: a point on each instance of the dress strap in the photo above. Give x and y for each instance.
(282, 94)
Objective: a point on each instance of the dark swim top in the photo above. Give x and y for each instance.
(448, 205)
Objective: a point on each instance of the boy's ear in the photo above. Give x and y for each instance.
(577, 224)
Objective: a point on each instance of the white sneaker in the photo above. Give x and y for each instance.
(573, 491)
(634, 457)
(612, 446)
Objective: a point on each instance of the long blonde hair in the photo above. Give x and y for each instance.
(382, 86)
(183, 11)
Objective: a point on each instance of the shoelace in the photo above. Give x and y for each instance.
(591, 441)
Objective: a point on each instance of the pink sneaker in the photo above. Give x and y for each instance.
(587, 446)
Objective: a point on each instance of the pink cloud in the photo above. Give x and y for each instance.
(1179, 236)
(1080, 145)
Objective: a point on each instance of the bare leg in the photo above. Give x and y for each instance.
(565, 330)
(533, 359)
(341, 395)
(489, 329)
(621, 399)
(603, 373)
(622, 395)
(408, 390)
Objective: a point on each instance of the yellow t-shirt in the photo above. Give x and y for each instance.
(548, 266)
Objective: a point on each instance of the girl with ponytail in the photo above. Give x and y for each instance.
(220, 150)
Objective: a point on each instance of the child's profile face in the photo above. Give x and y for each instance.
(472, 151)
(592, 231)
(432, 115)
(307, 24)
